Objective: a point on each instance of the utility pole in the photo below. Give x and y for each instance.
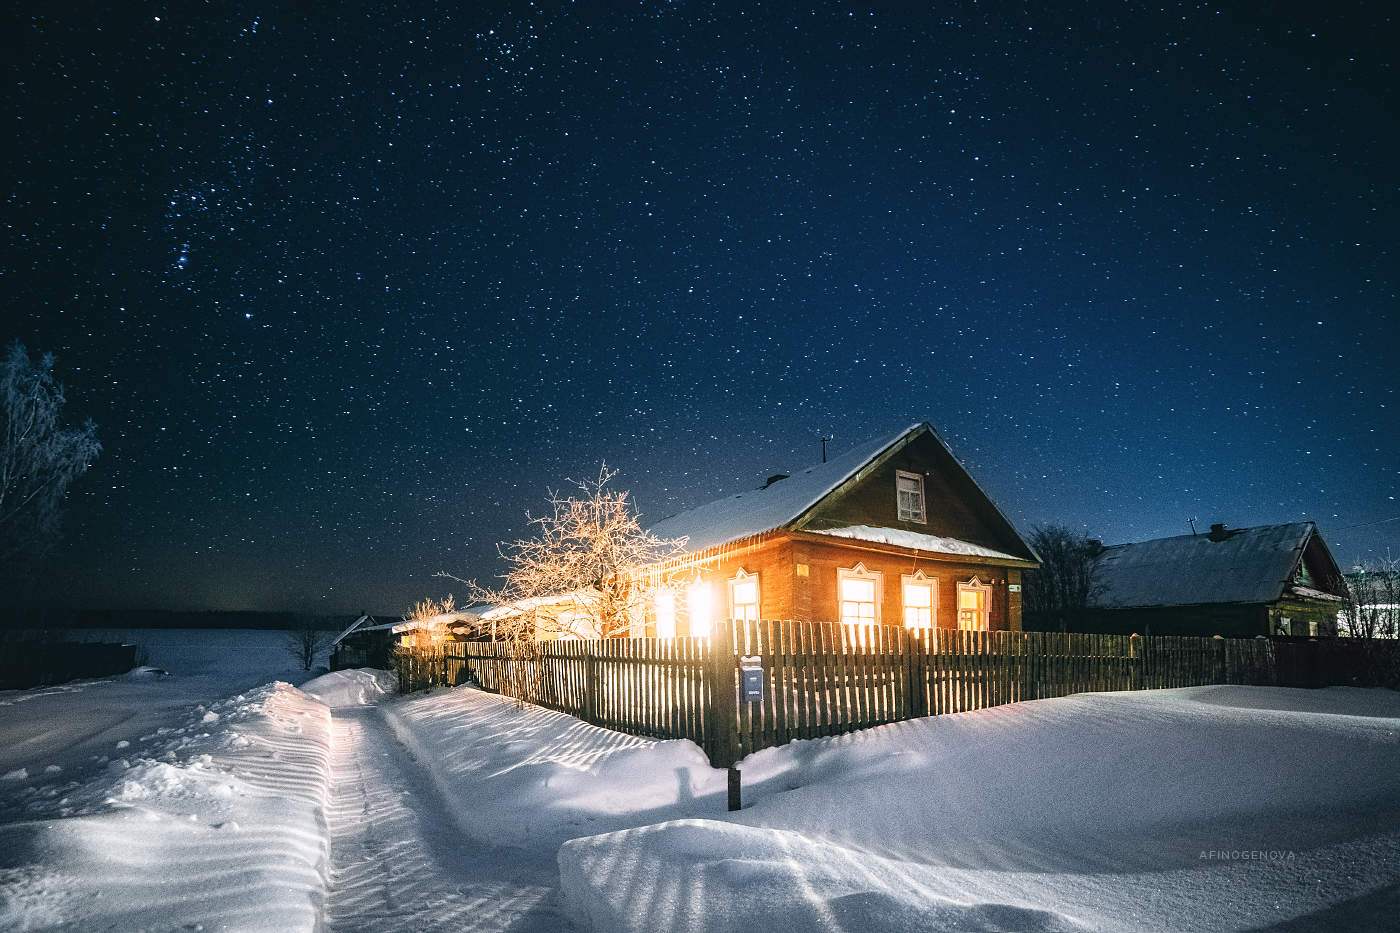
(1192, 523)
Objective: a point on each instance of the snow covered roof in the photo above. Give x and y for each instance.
(354, 627)
(913, 539)
(442, 619)
(758, 510)
(1250, 565)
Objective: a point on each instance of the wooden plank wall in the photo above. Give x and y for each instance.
(823, 678)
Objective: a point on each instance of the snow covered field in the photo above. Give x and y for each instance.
(1215, 808)
(190, 796)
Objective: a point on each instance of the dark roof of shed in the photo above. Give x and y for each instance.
(1252, 565)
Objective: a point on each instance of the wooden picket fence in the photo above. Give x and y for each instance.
(824, 678)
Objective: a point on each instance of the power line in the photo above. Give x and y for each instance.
(1378, 521)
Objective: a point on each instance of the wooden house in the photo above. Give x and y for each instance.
(1267, 580)
(892, 532)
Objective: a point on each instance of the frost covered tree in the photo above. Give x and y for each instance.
(581, 574)
(40, 456)
(1372, 609)
(1064, 584)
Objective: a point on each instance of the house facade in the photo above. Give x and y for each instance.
(894, 532)
(1241, 582)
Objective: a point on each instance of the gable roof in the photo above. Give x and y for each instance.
(1251, 565)
(783, 504)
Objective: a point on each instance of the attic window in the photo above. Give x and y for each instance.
(909, 496)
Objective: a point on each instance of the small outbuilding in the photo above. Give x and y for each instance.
(1240, 582)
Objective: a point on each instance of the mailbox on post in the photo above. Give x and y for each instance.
(751, 679)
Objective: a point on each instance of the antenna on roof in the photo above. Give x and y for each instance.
(1192, 523)
(824, 443)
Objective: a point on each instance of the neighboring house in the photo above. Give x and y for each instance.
(1268, 580)
(366, 643)
(894, 532)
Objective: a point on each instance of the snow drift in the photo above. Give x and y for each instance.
(350, 688)
(217, 821)
(1214, 808)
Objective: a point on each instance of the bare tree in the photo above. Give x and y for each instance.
(305, 641)
(1064, 585)
(39, 456)
(426, 610)
(582, 574)
(1372, 609)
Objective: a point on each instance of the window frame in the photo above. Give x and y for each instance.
(921, 516)
(740, 578)
(858, 572)
(917, 578)
(976, 585)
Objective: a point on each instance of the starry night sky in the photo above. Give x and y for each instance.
(346, 291)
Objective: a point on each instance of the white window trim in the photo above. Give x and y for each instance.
(986, 588)
(743, 577)
(917, 578)
(922, 516)
(858, 572)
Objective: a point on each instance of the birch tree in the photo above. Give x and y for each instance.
(40, 456)
(582, 573)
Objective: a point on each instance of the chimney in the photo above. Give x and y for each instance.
(773, 479)
(1219, 532)
(1095, 547)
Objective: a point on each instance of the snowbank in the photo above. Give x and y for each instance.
(1213, 808)
(64, 736)
(532, 777)
(350, 688)
(218, 821)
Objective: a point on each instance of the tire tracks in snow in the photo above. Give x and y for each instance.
(399, 858)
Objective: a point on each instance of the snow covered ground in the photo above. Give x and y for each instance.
(53, 739)
(1214, 808)
(342, 807)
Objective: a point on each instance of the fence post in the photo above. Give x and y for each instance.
(724, 711)
(1135, 662)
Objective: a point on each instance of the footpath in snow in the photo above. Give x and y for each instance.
(400, 859)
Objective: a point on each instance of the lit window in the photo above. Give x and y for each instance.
(743, 597)
(920, 601)
(859, 591)
(973, 600)
(909, 495)
(665, 613)
(698, 603)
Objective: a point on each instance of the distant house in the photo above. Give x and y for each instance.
(1268, 580)
(365, 643)
(894, 532)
